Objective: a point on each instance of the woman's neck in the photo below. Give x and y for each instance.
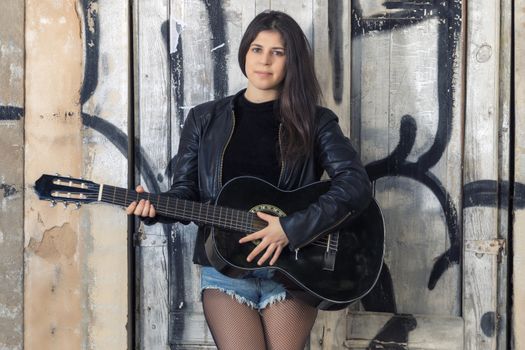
(255, 95)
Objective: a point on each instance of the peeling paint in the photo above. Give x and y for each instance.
(92, 9)
(57, 242)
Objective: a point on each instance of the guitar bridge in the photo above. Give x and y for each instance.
(331, 251)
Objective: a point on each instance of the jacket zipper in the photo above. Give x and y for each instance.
(224, 148)
(325, 231)
(281, 155)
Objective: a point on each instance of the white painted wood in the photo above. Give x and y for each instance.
(105, 227)
(153, 96)
(398, 77)
(198, 72)
(301, 11)
(481, 163)
(431, 333)
(238, 14)
(518, 226)
(330, 327)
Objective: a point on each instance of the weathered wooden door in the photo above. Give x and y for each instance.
(394, 73)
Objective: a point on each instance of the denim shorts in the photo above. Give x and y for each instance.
(254, 289)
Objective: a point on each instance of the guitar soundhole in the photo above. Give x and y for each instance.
(268, 209)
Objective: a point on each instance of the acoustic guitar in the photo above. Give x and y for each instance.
(332, 271)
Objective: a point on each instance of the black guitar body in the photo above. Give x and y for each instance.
(326, 279)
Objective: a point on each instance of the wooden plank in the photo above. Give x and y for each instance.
(54, 289)
(153, 95)
(481, 164)
(11, 177)
(301, 11)
(196, 62)
(518, 226)
(331, 44)
(105, 100)
(202, 49)
(411, 141)
(504, 155)
(426, 331)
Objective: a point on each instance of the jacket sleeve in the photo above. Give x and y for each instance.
(349, 193)
(185, 177)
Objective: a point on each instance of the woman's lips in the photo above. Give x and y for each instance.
(263, 74)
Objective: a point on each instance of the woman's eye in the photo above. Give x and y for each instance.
(278, 53)
(256, 49)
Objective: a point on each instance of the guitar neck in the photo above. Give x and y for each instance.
(180, 209)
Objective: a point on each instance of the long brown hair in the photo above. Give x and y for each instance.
(299, 92)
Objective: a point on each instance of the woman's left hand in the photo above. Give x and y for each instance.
(272, 237)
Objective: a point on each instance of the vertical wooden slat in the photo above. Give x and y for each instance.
(53, 286)
(504, 168)
(301, 11)
(11, 173)
(105, 101)
(518, 226)
(481, 164)
(331, 44)
(195, 60)
(153, 153)
(408, 106)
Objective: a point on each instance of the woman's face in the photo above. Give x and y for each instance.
(265, 66)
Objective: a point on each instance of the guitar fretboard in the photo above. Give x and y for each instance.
(180, 209)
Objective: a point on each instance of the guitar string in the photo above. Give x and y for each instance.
(242, 225)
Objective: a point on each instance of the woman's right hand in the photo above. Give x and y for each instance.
(143, 208)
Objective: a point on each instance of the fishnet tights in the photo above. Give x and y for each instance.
(284, 325)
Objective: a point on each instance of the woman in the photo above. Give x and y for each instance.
(273, 130)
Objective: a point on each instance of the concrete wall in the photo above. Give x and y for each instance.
(11, 173)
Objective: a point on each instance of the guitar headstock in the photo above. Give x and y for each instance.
(56, 188)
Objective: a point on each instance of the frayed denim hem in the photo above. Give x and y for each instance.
(235, 296)
(262, 305)
(272, 300)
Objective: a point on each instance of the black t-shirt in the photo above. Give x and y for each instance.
(254, 146)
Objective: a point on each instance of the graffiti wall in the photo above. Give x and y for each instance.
(418, 87)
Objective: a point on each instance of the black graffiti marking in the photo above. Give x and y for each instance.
(335, 44)
(120, 140)
(91, 49)
(449, 29)
(217, 25)
(491, 193)
(394, 334)
(395, 164)
(11, 113)
(9, 190)
(176, 322)
(411, 13)
(381, 297)
(177, 80)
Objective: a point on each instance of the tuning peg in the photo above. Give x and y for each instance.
(65, 204)
(77, 205)
(57, 174)
(53, 203)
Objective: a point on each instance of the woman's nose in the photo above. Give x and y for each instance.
(266, 58)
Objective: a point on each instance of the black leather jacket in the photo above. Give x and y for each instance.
(198, 172)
